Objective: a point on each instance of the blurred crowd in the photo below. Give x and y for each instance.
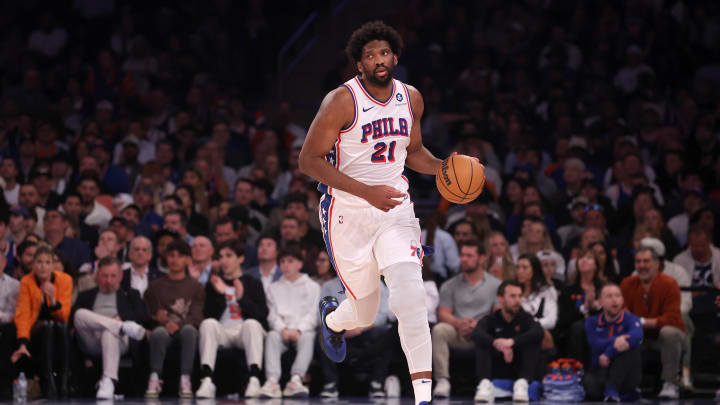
(151, 203)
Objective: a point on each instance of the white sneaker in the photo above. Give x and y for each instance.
(392, 386)
(295, 388)
(134, 330)
(485, 391)
(106, 389)
(271, 389)
(669, 391)
(442, 388)
(207, 389)
(253, 388)
(154, 386)
(185, 387)
(520, 390)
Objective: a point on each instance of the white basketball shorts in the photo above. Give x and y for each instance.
(363, 240)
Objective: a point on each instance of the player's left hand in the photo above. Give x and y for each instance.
(383, 197)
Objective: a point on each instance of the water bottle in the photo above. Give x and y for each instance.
(20, 388)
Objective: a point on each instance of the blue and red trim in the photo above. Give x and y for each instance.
(355, 111)
(326, 207)
(407, 95)
(373, 99)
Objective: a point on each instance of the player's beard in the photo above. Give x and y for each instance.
(381, 82)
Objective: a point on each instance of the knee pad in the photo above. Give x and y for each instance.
(407, 293)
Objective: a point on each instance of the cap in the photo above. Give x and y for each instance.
(122, 200)
(578, 200)
(577, 142)
(554, 256)
(39, 171)
(131, 139)
(654, 244)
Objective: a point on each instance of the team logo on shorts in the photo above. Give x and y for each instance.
(415, 250)
(399, 97)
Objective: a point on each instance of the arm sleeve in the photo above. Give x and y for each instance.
(195, 316)
(253, 304)
(275, 321)
(533, 334)
(310, 319)
(670, 308)
(63, 297)
(635, 331)
(550, 312)
(480, 335)
(22, 314)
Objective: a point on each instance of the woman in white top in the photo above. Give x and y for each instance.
(539, 297)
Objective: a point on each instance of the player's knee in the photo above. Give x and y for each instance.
(409, 300)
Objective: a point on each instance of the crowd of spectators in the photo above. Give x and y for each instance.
(145, 210)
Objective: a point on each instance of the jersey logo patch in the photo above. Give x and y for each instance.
(368, 109)
(399, 97)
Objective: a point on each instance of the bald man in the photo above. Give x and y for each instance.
(202, 254)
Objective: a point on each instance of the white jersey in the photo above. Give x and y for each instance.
(373, 148)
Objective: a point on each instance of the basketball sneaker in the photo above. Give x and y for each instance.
(332, 343)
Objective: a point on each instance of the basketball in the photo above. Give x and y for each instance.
(461, 179)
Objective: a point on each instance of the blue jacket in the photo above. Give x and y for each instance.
(601, 334)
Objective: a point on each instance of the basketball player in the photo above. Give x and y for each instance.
(362, 137)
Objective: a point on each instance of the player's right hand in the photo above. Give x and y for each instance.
(383, 197)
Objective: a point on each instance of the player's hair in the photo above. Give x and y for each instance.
(371, 31)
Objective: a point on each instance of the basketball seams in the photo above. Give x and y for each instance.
(471, 177)
(457, 182)
(460, 198)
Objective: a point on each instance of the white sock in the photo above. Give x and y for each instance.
(423, 390)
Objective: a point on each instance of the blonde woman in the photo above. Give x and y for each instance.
(499, 262)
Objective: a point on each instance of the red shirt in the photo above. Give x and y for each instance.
(662, 301)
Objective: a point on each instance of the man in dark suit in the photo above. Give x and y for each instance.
(139, 272)
(105, 319)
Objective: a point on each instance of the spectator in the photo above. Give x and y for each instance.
(289, 231)
(74, 250)
(9, 288)
(324, 271)
(236, 312)
(553, 266)
(464, 231)
(445, 259)
(226, 228)
(534, 238)
(40, 178)
(577, 301)
(202, 255)
(655, 298)
(138, 273)
(197, 223)
(124, 234)
(500, 262)
(680, 276)
(163, 239)
(267, 270)
(292, 322)
(369, 348)
(30, 199)
(8, 175)
(464, 299)
(95, 213)
(507, 345)
(177, 221)
(539, 298)
(43, 310)
(573, 230)
(310, 238)
(242, 196)
(78, 229)
(615, 367)
(701, 260)
(105, 317)
(24, 258)
(107, 246)
(693, 202)
(175, 304)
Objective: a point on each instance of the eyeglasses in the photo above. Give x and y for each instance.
(594, 207)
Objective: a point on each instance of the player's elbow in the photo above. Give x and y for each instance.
(304, 163)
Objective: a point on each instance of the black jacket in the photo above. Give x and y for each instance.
(252, 304)
(130, 306)
(152, 273)
(523, 329)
